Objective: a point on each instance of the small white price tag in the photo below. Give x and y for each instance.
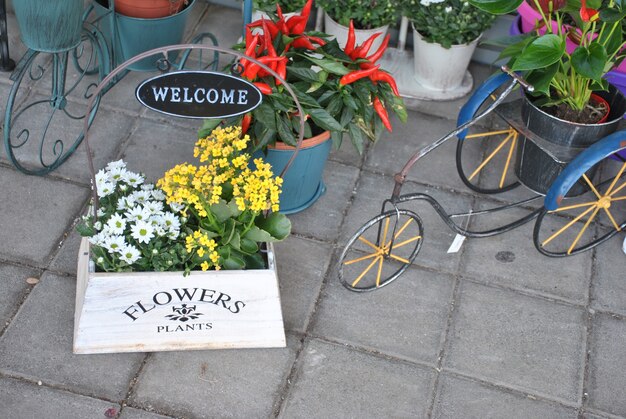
(459, 238)
(456, 243)
(624, 246)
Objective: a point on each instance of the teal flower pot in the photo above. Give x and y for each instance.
(49, 26)
(130, 36)
(302, 183)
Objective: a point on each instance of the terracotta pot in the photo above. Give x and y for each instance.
(148, 9)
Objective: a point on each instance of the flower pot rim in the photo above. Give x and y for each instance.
(183, 10)
(606, 122)
(475, 41)
(306, 143)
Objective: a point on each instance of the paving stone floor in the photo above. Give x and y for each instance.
(470, 334)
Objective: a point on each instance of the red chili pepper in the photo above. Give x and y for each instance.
(279, 12)
(271, 26)
(263, 87)
(380, 51)
(382, 113)
(362, 50)
(356, 75)
(386, 77)
(302, 42)
(281, 69)
(271, 62)
(318, 41)
(267, 40)
(351, 39)
(296, 25)
(306, 10)
(245, 123)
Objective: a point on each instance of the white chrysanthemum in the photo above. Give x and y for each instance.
(117, 174)
(105, 189)
(142, 197)
(171, 221)
(98, 239)
(125, 203)
(177, 207)
(100, 212)
(97, 225)
(142, 231)
(117, 224)
(119, 164)
(133, 179)
(155, 207)
(158, 195)
(159, 230)
(173, 234)
(129, 254)
(102, 176)
(147, 187)
(137, 213)
(115, 243)
(448, 9)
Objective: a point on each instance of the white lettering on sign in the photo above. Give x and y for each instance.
(199, 95)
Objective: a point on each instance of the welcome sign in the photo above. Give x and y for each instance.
(199, 94)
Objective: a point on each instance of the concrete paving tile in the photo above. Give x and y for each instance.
(348, 155)
(105, 135)
(409, 316)
(608, 291)
(507, 259)
(156, 148)
(588, 415)
(34, 214)
(526, 343)
(459, 397)
(607, 382)
(13, 287)
(16, 47)
(438, 237)
(324, 218)
(389, 155)
(130, 413)
(121, 97)
(38, 345)
(348, 383)
(235, 383)
(19, 399)
(301, 268)
(67, 258)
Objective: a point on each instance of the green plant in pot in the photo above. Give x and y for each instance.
(342, 91)
(572, 105)
(445, 35)
(269, 6)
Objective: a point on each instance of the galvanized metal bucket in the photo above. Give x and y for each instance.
(536, 167)
(49, 26)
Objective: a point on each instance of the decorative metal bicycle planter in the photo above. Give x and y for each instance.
(584, 205)
(71, 50)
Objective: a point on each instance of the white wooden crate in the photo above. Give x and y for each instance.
(166, 311)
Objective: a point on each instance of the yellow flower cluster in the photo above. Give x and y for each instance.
(203, 245)
(227, 166)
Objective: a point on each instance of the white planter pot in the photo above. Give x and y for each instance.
(166, 311)
(258, 14)
(439, 68)
(340, 32)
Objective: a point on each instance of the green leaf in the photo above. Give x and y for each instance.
(513, 50)
(542, 52)
(265, 114)
(303, 73)
(248, 246)
(496, 7)
(257, 235)
(222, 211)
(85, 230)
(335, 105)
(356, 136)
(589, 62)
(611, 15)
(284, 130)
(540, 79)
(324, 120)
(254, 261)
(276, 224)
(337, 139)
(233, 263)
(207, 127)
(332, 66)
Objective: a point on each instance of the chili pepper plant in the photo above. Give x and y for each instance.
(559, 76)
(366, 14)
(341, 90)
(287, 6)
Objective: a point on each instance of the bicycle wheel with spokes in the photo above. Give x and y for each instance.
(381, 250)
(582, 222)
(484, 157)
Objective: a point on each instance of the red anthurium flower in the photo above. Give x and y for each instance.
(587, 14)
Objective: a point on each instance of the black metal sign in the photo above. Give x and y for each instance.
(199, 94)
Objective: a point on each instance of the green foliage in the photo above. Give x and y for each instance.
(447, 22)
(366, 14)
(287, 6)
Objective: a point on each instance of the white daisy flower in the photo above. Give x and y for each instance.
(158, 195)
(173, 234)
(448, 9)
(97, 225)
(129, 254)
(115, 243)
(133, 179)
(102, 176)
(137, 213)
(125, 203)
(171, 221)
(105, 189)
(155, 207)
(177, 207)
(142, 231)
(119, 164)
(142, 196)
(117, 224)
(98, 239)
(117, 174)
(147, 187)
